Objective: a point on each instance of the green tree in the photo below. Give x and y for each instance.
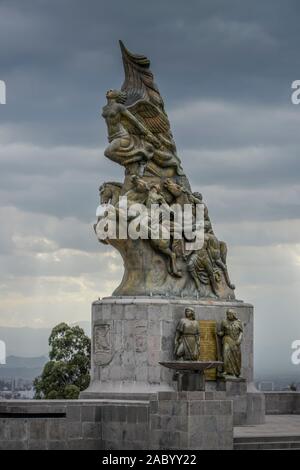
(67, 372)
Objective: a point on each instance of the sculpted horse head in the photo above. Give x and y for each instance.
(180, 194)
(139, 184)
(109, 192)
(173, 188)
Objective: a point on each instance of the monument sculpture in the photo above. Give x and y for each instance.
(165, 272)
(140, 140)
(231, 333)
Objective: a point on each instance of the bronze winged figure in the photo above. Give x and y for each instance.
(139, 131)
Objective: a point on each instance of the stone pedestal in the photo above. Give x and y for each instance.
(190, 421)
(190, 375)
(248, 402)
(191, 382)
(130, 336)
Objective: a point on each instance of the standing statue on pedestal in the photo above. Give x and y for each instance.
(231, 333)
(187, 337)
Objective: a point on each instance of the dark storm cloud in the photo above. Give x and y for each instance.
(225, 72)
(224, 69)
(58, 57)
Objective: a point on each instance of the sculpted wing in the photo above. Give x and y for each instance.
(151, 117)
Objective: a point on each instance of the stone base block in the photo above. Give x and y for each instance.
(191, 421)
(130, 336)
(248, 402)
(168, 421)
(282, 403)
(191, 382)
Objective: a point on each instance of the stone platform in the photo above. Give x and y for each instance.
(186, 420)
(167, 420)
(279, 432)
(130, 336)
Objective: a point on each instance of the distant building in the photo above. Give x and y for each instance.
(265, 386)
(2, 352)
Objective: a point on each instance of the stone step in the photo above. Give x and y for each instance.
(274, 438)
(267, 442)
(260, 445)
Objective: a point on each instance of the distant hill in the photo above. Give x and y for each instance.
(30, 342)
(23, 367)
(26, 362)
(27, 350)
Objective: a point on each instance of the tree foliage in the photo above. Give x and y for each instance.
(67, 372)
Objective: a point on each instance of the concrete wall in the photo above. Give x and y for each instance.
(70, 424)
(282, 403)
(169, 420)
(51, 424)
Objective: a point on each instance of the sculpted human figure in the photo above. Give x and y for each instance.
(207, 223)
(147, 194)
(109, 193)
(231, 332)
(180, 194)
(187, 337)
(217, 251)
(199, 261)
(109, 196)
(131, 134)
(165, 244)
(160, 228)
(138, 193)
(155, 196)
(210, 257)
(125, 147)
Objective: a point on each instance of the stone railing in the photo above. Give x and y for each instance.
(70, 424)
(282, 403)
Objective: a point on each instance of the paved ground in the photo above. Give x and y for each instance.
(275, 425)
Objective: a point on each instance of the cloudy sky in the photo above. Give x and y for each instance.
(225, 70)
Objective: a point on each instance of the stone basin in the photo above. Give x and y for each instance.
(191, 366)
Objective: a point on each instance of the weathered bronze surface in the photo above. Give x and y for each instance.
(208, 346)
(187, 337)
(231, 332)
(141, 141)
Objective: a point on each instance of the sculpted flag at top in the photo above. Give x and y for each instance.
(140, 140)
(138, 127)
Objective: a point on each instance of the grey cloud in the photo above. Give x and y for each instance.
(29, 229)
(213, 125)
(59, 57)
